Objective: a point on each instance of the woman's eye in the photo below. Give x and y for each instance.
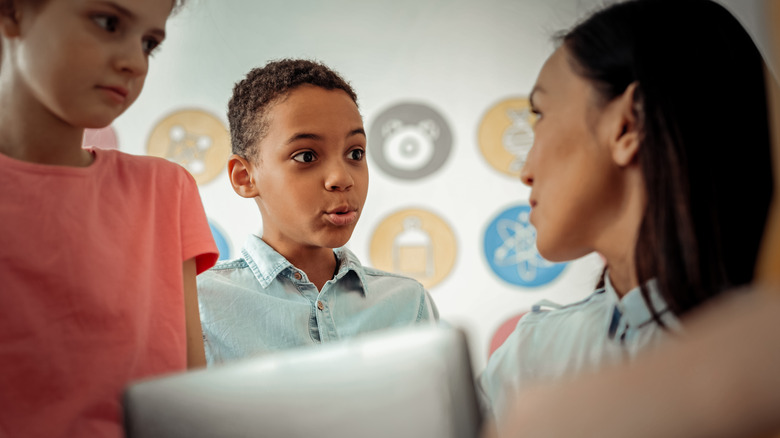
(535, 117)
(304, 157)
(107, 22)
(357, 154)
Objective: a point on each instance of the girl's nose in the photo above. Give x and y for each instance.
(132, 59)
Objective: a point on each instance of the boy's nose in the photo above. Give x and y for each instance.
(338, 178)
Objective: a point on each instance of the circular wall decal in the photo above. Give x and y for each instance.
(506, 135)
(223, 246)
(415, 243)
(194, 139)
(510, 250)
(502, 332)
(409, 141)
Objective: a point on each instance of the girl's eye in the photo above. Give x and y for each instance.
(356, 154)
(107, 22)
(304, 157)
(150, 44)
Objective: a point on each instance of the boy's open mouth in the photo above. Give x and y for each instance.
(342, 216)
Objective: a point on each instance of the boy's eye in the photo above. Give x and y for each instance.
(150, 44)
(304, 157)
(356, 154)
(107, 22)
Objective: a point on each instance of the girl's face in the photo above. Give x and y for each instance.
(84, 61)
(578, 191)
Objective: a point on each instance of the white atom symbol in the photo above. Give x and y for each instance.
(519, 247)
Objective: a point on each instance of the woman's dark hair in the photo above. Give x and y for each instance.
(705, 146)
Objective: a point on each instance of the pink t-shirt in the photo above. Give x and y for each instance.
(91, 287)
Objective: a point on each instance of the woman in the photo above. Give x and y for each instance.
(652, 128)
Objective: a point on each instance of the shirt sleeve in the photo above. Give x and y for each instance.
(508, 370)
(197, 240)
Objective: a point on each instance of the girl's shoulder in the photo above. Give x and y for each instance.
(141, 165)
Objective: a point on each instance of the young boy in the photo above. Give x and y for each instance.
(299, 151)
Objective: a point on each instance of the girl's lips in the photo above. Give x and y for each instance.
(117, 94)
(342, 219)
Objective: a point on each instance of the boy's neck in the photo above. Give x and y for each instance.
(319, 264)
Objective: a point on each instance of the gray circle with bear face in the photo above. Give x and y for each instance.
(409, 141)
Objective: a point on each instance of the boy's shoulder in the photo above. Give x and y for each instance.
(373, 272)
(226, 275)
(372, 275)
(383, 280)
(232, 264)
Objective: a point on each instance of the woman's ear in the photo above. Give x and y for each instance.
(627, 131)
(239, 172)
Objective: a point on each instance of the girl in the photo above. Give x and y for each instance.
(640, 155)
(98, 249)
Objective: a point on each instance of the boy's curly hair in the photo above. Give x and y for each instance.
(264, 86)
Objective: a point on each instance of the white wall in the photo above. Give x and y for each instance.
(457, 56)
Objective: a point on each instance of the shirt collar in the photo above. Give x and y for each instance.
(263, 260)
(349, 262)
(266, 264)
(632, 305)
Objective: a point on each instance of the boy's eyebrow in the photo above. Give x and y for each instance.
(131, 16)
(311, 136)
(303, 136)
(359, 131)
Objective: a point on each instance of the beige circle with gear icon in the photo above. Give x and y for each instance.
(506, 135)
(194, 139)
(415, 243)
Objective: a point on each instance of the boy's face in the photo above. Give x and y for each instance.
(310, 170)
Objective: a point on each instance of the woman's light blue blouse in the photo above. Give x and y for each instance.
(553, 342)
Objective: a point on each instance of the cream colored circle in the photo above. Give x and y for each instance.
(496, 121)
(428, 256)
(195, 139)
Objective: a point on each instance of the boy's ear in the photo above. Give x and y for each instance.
(239, 172)
(626, 131)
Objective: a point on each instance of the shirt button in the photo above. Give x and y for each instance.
(297, 275)
(320, 305)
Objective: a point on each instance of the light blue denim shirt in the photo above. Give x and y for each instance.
(553, 342)
(261, 303)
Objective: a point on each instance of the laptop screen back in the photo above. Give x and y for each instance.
(413, 382)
